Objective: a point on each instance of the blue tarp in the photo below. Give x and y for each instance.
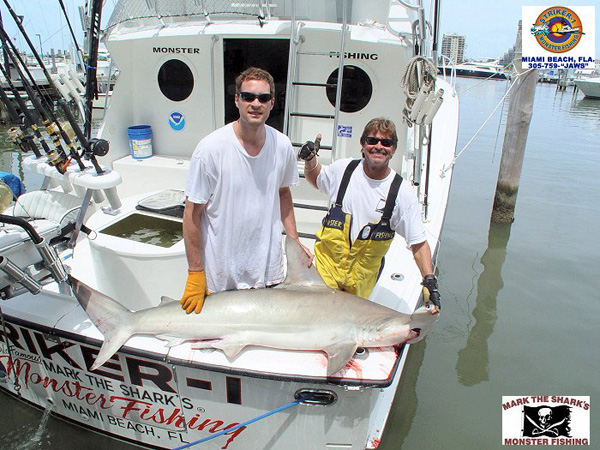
(13, 182)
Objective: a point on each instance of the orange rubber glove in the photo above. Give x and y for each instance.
(195, 292)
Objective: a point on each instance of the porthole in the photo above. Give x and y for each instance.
(357, 89)
(175, 80)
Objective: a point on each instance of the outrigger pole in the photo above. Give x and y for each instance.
(91, 147)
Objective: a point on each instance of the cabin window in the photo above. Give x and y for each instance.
(175, 80)
(357, 89)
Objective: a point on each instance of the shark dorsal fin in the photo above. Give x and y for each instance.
(298, 272)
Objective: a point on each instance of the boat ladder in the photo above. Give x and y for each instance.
(293, 118)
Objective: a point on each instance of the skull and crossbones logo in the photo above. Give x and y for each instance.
(544, 423)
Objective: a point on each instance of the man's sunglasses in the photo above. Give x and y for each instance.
(385, 142)
(250, 97)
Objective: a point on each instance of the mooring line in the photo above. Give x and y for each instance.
(248, 422)
(451, 164)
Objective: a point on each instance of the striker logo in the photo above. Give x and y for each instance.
(558, 29)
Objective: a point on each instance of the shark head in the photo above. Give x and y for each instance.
(403, 328)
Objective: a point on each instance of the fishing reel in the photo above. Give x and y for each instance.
(97, 147)
(58, 160)
(16, 135)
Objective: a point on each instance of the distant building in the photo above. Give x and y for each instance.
(453, 47)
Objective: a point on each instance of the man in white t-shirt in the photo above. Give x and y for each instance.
(370, 203)
(238, 198)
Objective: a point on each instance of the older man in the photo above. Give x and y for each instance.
(370, 203)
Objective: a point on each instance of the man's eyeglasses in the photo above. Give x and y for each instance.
(385, 142)
(250, 97)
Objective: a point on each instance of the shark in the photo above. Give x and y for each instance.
(300, 314)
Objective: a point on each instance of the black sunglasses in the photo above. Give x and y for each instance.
(385, 142)
(250, 97)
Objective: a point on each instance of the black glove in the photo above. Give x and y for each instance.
(310, 149)
(430, 283)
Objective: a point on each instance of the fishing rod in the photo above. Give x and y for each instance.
(91, 80)
(4, 36)
(55, 157)
(98, 148)
(53, 127)
(88, 147)
(16, 58)
(18, 135)
(64, 10)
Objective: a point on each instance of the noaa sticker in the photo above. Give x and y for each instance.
(177, 121)
(558, 29)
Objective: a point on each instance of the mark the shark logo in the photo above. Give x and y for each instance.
(177, 121)
(546, 420)
(551, 421)
(557, 29)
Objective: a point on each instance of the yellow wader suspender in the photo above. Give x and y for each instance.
(354, 267)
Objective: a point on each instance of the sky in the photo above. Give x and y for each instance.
(490, 26)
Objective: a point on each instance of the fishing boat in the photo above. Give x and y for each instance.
(589, 86)
(112, 219)
(472, 69)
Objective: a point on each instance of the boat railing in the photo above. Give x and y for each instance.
(127, 10)
(446, 65)
(396, 14)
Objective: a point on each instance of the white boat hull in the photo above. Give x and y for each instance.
(590, 87)
(164, 401)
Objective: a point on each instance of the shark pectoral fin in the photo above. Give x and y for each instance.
(171, 340)
(339, 355)
(230, 349)
(164, 300)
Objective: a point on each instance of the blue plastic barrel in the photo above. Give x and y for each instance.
(140, 141)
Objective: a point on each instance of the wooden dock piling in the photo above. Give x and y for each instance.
(515, 138)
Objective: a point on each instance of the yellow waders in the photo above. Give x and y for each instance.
(354, 267)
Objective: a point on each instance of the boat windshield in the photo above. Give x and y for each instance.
(177, 10)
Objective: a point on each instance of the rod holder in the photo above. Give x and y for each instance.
(52, 261)
(17, 275)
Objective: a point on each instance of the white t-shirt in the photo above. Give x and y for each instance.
(241, 224)
(365, 199)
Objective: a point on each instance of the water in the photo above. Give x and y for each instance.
(520, 303)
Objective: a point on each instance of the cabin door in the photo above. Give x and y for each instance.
(268, 54)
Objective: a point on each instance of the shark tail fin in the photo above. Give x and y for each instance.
(110, 317)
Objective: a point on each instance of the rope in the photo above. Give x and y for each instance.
(446, 169)
(420, 72)
(499, 126)
(248, 422)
